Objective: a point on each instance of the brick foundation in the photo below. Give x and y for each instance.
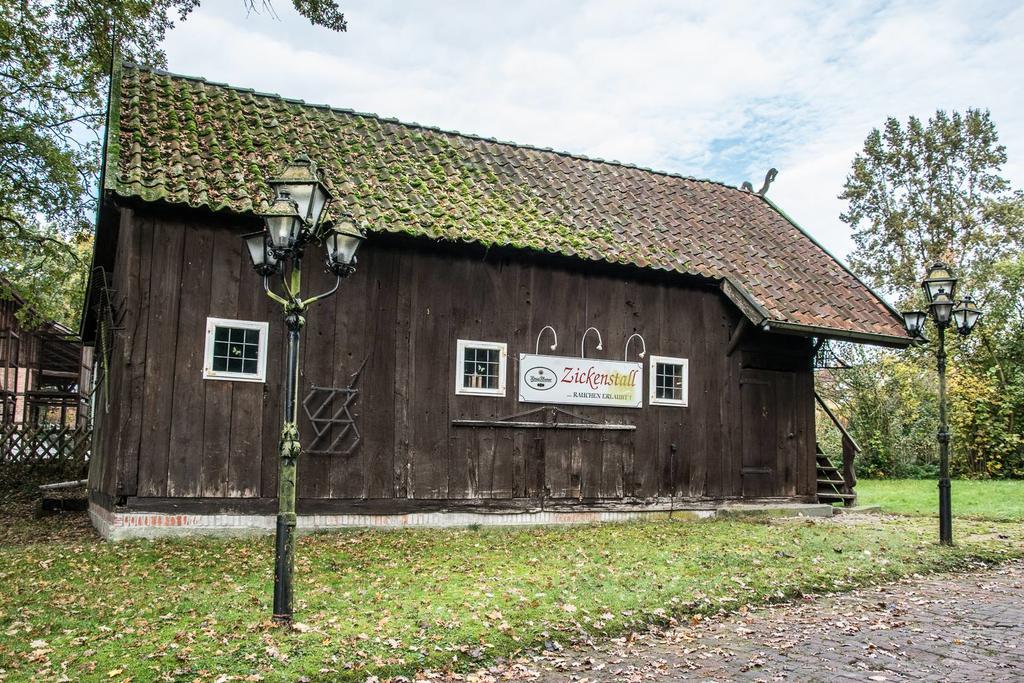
(116, 525)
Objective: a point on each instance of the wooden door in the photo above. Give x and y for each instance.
(768, 401)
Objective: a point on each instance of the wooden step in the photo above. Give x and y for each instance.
(829, 496)
(834, 482)
(822, 470)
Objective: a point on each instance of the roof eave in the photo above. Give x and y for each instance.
(877, 339)
(745, 301)
(759, 316)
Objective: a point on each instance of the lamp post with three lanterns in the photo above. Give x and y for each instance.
(939, 288)
(293, 222)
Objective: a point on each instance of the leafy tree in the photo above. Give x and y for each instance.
(1004, 311)
(924, 192)
(319, 12)
(980, 417)
(54, 62)
(890, 407)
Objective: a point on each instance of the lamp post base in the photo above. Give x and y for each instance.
(945, 513)
(283, 571)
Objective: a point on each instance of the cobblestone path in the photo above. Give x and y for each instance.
(959, 627)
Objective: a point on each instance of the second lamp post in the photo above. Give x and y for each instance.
(292, 223)
(939, 288)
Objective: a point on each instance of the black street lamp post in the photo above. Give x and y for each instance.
(939, 288)
(292, 223)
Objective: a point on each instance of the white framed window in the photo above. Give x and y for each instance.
(480, 368)
(235, 350)
(670, 379)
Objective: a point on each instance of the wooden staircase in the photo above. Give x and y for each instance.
(831, 486)
(835, 484)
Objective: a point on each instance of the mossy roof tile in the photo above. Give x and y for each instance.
(184, 140)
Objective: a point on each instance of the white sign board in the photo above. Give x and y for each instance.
(580, 381)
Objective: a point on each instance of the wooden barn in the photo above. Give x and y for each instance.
(530, 335)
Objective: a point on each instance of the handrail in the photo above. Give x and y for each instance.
(850, 450)
(835, 421)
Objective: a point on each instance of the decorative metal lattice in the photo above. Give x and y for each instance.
(330, 412)
(826, 358)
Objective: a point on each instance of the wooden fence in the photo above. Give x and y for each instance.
(31, 453)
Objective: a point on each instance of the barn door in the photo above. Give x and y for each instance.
(768, 403)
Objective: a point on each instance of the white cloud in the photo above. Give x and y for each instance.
(710, 89)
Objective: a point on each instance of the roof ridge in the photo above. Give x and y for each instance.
(436, 129)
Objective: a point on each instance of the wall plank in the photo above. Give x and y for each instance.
(404, 371)
(352, 345)
(184, 467)
(272, 409)
(131, 282)
(617, 330)
(245, 443)
(377, 418)
(224, 292)
(164, 298)
(315, 369)
(480, 311)
(430, 313)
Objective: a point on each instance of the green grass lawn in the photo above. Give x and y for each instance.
(992, 500)
(393, 602)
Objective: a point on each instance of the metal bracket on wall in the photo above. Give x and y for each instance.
(329, 410)
(550, 417)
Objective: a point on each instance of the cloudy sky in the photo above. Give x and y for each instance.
(719, 89)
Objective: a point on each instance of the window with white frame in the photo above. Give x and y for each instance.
(670, 378)
(235, 350)
(480, 368)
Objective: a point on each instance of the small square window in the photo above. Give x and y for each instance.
(235, 350)
(480, 368)
(669, 381)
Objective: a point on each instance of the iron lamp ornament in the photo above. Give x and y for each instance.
(939, 288)
(341, 243)
(284, 224)
(939, 280)
(292, 222)
(914, 322)
(941, 309)
(264, 261)
(301, 181)
(965, 316)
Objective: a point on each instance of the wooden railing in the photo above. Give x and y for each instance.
(850, 450)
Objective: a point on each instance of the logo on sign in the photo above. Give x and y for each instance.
(540, 378)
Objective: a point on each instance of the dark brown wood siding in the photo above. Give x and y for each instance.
(392, 329)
